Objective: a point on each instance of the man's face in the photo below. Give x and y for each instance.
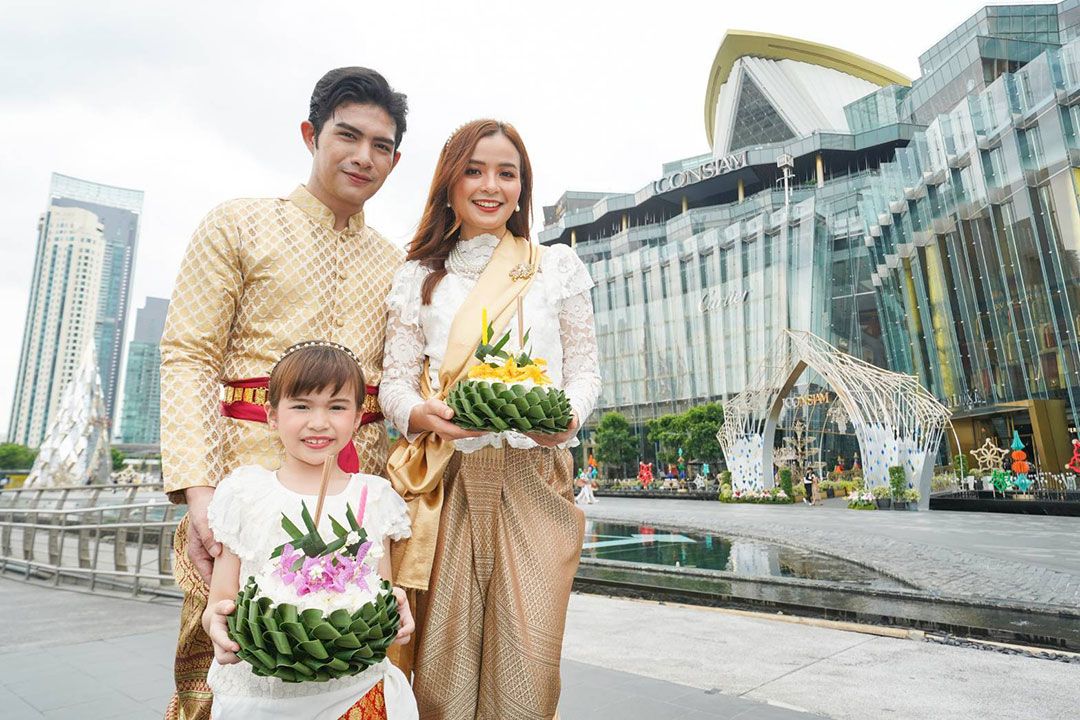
(352, 156)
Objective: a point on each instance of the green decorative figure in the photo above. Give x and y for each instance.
(1000, 480)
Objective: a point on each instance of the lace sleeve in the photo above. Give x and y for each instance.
(581, 363)
(403, 355)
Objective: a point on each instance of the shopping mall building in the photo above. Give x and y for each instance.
(928, 226)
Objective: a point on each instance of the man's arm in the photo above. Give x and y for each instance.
(201, 312)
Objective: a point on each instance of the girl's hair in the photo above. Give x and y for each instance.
(438, 231)
(314, 366)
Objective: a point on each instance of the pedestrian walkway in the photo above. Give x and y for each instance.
(67, 654)
(1021, 558)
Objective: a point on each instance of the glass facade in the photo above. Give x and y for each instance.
(940, 237)
(974, 230)
(141, 417)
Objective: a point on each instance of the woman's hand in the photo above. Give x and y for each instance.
(549, 440)
(434, 415)
(408, 625)
(217, 628)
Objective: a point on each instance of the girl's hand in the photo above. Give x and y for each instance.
(434, 415)
(549, 440)
(217, 628)
(408, 625)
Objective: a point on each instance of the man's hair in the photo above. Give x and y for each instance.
(356, 85)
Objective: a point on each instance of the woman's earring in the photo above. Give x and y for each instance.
(517, 208)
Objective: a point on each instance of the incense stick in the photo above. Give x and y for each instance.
(328, 467)
(521, 323)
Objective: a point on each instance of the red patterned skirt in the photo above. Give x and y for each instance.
(370, 707)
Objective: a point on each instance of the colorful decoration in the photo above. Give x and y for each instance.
(1000, 480)
(1020, 465)
(645, 474)
(1074, 463)
(989, 457)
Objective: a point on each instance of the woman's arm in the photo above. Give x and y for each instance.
(224, 586)
(581, 373)
(403, 363)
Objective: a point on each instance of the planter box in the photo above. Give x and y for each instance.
(900, 505)
(829, 492)
(883, 503)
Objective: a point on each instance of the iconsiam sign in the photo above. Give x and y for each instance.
(76, 446)
(896, 421)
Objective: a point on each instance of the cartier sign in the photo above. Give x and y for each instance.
(714, 300)
(716, 166)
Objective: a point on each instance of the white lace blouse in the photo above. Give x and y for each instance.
(245, 515)
(558, 313)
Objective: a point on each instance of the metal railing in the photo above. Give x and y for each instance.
(101, 537)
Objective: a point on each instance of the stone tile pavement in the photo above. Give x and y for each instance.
(1021, 558)
(66, 654)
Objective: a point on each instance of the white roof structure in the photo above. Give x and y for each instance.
(769, 88)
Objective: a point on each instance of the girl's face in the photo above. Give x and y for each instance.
(487, 194)
(317, 424)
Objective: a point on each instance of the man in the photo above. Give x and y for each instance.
(261, 275)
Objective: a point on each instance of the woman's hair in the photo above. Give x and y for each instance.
(314, 366)
(438, 231)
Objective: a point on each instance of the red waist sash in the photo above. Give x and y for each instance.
(246, 400)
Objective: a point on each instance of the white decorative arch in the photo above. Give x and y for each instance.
(896, 421)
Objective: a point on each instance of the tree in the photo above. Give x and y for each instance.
(666, 431)
(615, 444)
(117, 459)
(700, 425)
(16, 457)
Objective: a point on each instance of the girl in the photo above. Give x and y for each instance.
(316, 392)
(496, 535)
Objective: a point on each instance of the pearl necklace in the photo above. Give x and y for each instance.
(468, 263)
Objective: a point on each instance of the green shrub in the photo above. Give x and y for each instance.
(725, 492)
(881, 492)
(897, 481)
(963, 468)
(785, 482)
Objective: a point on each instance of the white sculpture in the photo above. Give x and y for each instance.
(896, 421)
(76, 446)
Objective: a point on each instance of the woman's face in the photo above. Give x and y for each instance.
(486, 195)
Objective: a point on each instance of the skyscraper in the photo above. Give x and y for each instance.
(87, 237)
(119, 211)
(60, 318)
(140, 418)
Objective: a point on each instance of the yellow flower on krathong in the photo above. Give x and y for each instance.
(510, 372)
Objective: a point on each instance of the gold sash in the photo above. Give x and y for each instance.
(416, 469)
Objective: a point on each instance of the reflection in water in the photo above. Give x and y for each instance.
(645, 544)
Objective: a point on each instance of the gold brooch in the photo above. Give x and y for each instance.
(522, 271)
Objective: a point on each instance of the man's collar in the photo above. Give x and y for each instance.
(317, 211)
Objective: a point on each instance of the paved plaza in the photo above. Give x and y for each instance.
(68, 654)
(1022, 558)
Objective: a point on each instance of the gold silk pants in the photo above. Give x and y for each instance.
(192, 697)
(490, 629)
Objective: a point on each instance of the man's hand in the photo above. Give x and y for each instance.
(435, 415)
(408, 625)
(549, 440)
(217, 628)
(201, 546)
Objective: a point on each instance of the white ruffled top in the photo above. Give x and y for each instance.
(558, 314)
(245, 515)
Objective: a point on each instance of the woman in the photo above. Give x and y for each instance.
(496, 535)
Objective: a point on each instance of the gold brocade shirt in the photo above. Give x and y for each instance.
(261, 275)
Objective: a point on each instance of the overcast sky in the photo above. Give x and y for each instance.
(198, 102)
